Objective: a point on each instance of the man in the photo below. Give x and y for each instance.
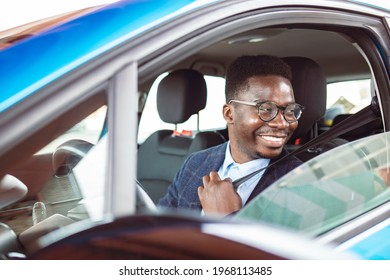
(261, 116)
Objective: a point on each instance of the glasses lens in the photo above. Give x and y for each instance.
(267, 111)
(292, 112)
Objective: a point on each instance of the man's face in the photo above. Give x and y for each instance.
(250, 137)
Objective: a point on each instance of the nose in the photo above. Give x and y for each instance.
(279, 121)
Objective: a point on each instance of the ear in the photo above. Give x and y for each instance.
(228, 113)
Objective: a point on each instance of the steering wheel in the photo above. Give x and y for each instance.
(144, 202)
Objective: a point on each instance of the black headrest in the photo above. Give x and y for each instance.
(180, 95)
(309, 85)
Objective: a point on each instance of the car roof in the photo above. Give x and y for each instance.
(53, 53)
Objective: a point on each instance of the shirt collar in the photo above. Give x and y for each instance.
(246, 168)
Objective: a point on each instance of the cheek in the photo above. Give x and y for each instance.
(293, 126)
(247, 126)
(248, 118)
(254, 120)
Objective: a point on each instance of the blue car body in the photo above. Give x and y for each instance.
(48, 56)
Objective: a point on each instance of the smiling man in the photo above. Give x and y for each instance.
(261, 116)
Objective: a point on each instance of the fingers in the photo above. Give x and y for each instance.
(200, 190)
(205, 179)
(214, 176)
(217, 196)
(228, 179)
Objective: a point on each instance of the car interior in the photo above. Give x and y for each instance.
(180, 95)
(319, 56)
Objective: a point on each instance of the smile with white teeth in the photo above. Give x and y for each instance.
(273, 138)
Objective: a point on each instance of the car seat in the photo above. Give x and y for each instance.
(309, 84)
(180, 95)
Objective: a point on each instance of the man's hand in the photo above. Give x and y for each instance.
(218, 196)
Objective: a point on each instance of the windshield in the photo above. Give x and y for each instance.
(328, 190)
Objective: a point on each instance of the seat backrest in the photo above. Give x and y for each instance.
(309, 84)
(180, 95)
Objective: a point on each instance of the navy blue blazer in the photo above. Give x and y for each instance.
(183, 192)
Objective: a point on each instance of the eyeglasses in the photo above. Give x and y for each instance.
(268, 110)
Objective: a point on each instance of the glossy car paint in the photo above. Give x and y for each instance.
(45, 58)
(372, 244)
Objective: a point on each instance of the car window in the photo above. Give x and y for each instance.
(328, 190)
(210, 118)
(89, 129)
(346, 97)
(56, 195)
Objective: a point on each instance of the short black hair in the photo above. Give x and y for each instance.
(245, 67)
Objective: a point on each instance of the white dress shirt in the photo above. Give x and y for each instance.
(234, 170)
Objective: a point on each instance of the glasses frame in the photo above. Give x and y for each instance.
(258, 104)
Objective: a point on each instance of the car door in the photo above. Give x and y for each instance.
(114, 74)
